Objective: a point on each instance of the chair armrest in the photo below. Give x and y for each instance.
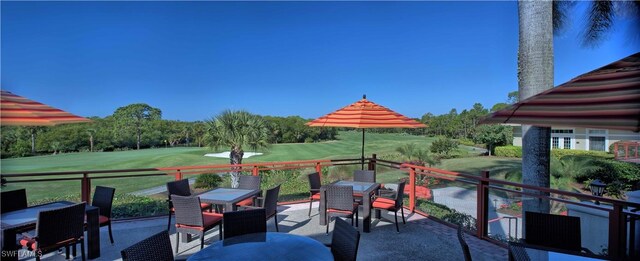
(249, 207)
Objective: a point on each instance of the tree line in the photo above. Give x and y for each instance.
(138, 126)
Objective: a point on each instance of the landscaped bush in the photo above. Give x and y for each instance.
(127, 205)
(509, 151)
(208, 181)
(619, 176)
(445, 213)
(466, 142)
(443, 146)
(559, 153)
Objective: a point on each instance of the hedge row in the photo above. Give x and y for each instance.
(516, 152)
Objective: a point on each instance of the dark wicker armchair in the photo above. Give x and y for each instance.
(181, 188)
(554, 231)
(463, 244)
(251, 183)
(344, 241)
(364, 176)
(314, 188)
(518, 253)
(103, 199)
(393, 204)
(13, 200)
(270, 205)
(340, 203)
(191, 220)
(156, 247)
(57, 228)
(242, 222)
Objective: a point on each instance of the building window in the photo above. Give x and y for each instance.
(562, 131)
(567, 143)
(555, 142)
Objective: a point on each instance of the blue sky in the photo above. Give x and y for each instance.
(195, 59)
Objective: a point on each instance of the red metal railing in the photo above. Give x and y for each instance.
(617, 217)
(626, 146)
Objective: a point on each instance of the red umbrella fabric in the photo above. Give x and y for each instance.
(606, 98)
(19, 111)
(365, 114)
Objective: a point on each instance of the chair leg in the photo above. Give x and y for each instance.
(110, 233)
(37, 256)
(202, 241)
(275, 219)
(82, 249)
(74, 251)
(310, 204)
(220, 230)
(169, 223)
(395, 214)
(357, 218)
(402, 210)
(66, 249)
(327, 219)
(177, 241)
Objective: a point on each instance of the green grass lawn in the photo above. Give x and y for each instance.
(347, 146)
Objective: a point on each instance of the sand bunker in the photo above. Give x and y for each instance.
(247, 154)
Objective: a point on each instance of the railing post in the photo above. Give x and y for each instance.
(255, 170)
(412, 189)
(482, 215)
(373, 163)
(617, 233)
(85, 188)
(178, 175)
(319, 169)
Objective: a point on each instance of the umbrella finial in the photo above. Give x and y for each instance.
(364, 96)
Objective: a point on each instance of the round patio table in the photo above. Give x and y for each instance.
(265, 246)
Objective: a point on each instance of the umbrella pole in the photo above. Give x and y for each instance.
(362, 157)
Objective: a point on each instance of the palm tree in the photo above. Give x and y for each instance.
(420, 156)
(236, 129)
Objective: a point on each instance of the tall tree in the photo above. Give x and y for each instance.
(137, 116)
(236, 129)
(535, 74)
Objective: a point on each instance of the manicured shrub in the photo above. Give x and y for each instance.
(443, 146)
(509, 151)
(208, 181)
(559, 153)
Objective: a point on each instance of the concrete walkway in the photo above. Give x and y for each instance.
(420, 238)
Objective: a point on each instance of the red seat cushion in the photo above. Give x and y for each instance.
(357, 195)
(29, 243)
(210, 219)
(315, 196)
(103, 219)
(348, 212)
(246, 202)
(384, 203)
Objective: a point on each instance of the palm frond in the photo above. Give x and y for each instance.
(599, 21)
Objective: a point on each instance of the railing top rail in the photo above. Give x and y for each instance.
(79, 172)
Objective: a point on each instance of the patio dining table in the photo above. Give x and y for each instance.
(367, 189)
(529, 252)
(265, 246)
(15, 222)
(228, 197)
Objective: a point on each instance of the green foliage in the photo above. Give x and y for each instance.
(446, 214)
(294, 183)
(466, 142)
(619, 176)
(417, 156)
(208, 181)
(493, 135)
(443, 146)
(126, 206)
(293, 129)
(509, 151)
(559, 153)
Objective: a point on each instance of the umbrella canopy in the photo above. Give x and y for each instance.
(19, 111)
(606, 98)
(365, 114)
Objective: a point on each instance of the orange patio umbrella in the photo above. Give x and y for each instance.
(19, 111)
(365, 114)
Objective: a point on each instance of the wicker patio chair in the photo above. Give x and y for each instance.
(242, 222)
(344, 241)
(156, 247)
(181, 188)
(392, 204)
(555, 231)
(13, 200)
(364, 176)
(251, 183)
(340, 203)
(270, 204)
(463, 244)
(57, 228)
(314, 189)
(103, 199)
(518, 253)
(191, 220)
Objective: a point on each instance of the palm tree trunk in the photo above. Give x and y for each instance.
(33, 141)
(535, 74)
(235, 157)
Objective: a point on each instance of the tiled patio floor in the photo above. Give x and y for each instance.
(419, 239)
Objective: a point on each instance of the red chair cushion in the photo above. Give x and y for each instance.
(348, 212)
(209, 219)
(245, 202)
(357, 195)
(384, 203)
(29, 243)
(315, 196)
(103, 219)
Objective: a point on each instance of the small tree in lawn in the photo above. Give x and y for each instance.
(493, 135)
(443, 146)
